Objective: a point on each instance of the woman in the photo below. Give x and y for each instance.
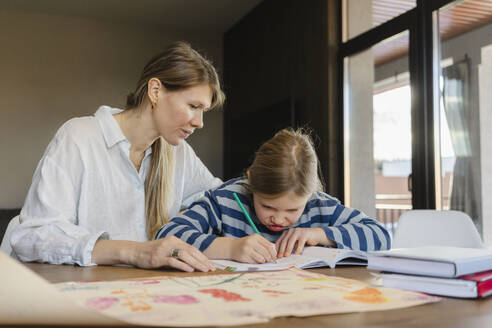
(106, 183)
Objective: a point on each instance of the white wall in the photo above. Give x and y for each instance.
(54, 68)
(485, 104)
(358, 117)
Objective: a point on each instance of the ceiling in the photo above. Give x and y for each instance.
(214, 16)
(456, 19)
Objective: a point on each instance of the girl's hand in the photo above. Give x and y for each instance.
(253, 249)
(297, 238)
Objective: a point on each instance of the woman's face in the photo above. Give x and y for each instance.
(178, 113)
(279, 212)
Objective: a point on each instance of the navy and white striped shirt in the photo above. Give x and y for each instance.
(217, 214)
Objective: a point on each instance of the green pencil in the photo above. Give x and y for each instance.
(245, 213)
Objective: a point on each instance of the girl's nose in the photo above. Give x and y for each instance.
(277, 220)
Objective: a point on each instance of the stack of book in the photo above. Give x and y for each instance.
(445, 271)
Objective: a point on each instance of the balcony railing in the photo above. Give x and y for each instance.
(389, 207)
(389, 212)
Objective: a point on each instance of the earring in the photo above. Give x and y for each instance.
(152, 104)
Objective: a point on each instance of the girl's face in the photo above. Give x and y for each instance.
(279, 212)
(178, 113)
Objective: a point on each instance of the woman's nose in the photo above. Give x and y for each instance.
(197, 119)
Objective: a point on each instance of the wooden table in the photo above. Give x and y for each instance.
(450, 312)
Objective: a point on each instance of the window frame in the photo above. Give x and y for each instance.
(423, 54)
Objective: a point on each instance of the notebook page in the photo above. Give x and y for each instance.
(280, 264)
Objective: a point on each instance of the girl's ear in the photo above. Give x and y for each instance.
(153, 87)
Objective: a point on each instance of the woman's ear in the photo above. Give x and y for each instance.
(247, 174)
(153, 88)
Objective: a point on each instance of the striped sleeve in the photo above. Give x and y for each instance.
(199, 225)
(350, 228)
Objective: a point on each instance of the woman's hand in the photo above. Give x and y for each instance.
(299, 237)
(157, 253)
(253, 249)
(152, 254)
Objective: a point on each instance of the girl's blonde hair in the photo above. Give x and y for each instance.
(287, 162)
(178, 67)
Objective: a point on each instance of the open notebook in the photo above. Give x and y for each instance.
(311, 257)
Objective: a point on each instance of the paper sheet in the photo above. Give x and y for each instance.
(234, 299)
(26, 298)
(223, 299)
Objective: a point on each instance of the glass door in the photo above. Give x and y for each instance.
(464, 147)
(378, 138)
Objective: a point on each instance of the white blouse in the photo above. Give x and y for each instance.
(86, 188)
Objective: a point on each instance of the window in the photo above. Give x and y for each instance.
(417, 109)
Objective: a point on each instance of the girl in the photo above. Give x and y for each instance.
(282, 194)
(107, 182)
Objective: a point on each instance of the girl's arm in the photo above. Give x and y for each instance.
(199, 225)
(329, 223)
(351, 228)
(250, 249)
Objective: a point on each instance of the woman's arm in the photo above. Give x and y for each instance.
(48, 229)
(151, 254)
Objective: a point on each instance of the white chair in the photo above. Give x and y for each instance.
(5, 247)
(436, 228)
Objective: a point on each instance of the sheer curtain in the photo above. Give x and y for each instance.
(456, 108)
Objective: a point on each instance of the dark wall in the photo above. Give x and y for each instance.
(286, 51)
(5, 216)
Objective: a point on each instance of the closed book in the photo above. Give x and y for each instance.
(436, 261)
(476, 285)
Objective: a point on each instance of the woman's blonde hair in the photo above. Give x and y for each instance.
(287, 162)
(178, 67)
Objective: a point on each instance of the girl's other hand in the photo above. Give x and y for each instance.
(297, 238)
(253, 249)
